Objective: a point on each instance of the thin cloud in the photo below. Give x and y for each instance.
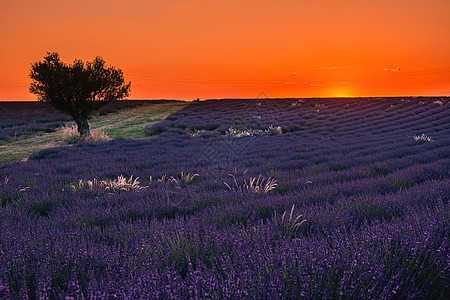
(316, 85)
(320, 67)
(333, 68)
(392, 69)
(313, 85)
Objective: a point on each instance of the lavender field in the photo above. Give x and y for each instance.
(239, 199)
(19, 120)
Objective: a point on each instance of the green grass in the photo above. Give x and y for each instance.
(127, 123)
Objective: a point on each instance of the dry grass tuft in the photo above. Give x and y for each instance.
(233, 132)
(288, 225)
(120, 184)
(186, 178)
(422, 137)
(71, 136)
(254, 185)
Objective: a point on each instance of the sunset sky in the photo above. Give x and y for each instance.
(188, 49)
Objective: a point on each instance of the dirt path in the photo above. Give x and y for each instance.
(127, 123)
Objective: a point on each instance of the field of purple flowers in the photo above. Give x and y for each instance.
(19, 119)
(231, 199)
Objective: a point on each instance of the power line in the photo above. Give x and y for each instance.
(162, 79)
(12, 86)
(272, 82)
(277, 82)
(418, 73)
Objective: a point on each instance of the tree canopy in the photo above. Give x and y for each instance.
(79, 89)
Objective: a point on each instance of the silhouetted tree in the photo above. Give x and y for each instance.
(79, 89)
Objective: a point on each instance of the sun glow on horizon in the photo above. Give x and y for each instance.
(340, 96)
(341, 92)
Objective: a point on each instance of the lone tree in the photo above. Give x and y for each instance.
(79, 89)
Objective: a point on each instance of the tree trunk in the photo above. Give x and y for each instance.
(83, 126)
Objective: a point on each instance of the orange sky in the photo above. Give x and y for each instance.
(188, 49)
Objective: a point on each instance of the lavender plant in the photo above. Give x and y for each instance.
(376, 201)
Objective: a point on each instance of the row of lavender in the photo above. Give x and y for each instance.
(375, 203)
(26, 118)
(331, 118)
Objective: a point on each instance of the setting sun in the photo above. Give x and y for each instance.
(341, 92)
(340, 96)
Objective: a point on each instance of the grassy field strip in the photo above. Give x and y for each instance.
(128, 123)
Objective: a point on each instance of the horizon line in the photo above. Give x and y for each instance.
(262, 98)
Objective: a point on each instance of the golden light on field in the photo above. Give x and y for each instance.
(189, 49)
